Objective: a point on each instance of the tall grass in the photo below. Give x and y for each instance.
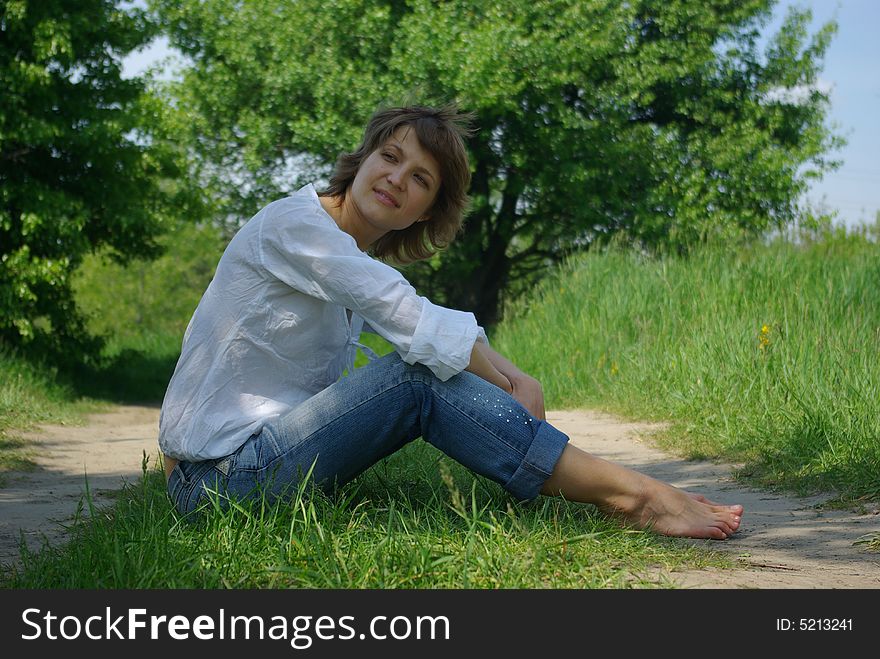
(32, 393)
(766, 355)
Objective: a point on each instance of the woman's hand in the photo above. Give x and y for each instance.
(527, 391)
(482, 366)
(501, 372)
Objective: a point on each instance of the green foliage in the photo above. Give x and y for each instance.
(83, 161)
(656, 120)
(149, 297)
(764, 355)
(141, 311)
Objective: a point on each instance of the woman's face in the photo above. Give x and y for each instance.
(395, 186)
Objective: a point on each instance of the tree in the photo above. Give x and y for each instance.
(81, 163)
(655, 120)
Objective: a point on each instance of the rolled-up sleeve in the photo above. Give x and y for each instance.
(301, 246)
(443, 340)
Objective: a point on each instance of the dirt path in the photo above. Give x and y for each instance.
(784, 542)
(108, 449)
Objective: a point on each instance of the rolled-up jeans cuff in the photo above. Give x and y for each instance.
(538, 464)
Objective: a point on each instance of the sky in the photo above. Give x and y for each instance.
(851, 73)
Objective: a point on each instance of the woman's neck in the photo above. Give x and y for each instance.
(337, 209)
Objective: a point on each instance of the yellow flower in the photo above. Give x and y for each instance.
(764, 337)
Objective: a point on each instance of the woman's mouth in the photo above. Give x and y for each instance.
(385, 198)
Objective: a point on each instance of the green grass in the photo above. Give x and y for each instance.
(870, 541)
(765, 356)
(416, 520)
(32, 393)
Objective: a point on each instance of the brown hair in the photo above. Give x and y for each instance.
(441, 131)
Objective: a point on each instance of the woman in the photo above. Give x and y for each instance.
(257, 398)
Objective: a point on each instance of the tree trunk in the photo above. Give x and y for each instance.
(479, 284)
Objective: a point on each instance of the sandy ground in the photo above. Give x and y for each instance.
(784, 542)
(106, 452)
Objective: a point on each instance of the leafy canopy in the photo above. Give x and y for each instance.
(659, 121)
(82, 163)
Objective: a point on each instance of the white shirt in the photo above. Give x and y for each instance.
(273, 329)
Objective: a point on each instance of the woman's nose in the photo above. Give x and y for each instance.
(396, 177)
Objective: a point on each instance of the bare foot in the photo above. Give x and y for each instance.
(638, 499)
(668, 510)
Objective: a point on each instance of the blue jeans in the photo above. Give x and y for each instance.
(368, 415)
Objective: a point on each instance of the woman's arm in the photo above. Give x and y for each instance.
(501, 372)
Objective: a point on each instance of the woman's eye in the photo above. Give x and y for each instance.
(421, 180)
(389, 156)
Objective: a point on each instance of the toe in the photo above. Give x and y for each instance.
(717, 533)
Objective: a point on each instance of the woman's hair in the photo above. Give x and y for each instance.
(441, 131)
